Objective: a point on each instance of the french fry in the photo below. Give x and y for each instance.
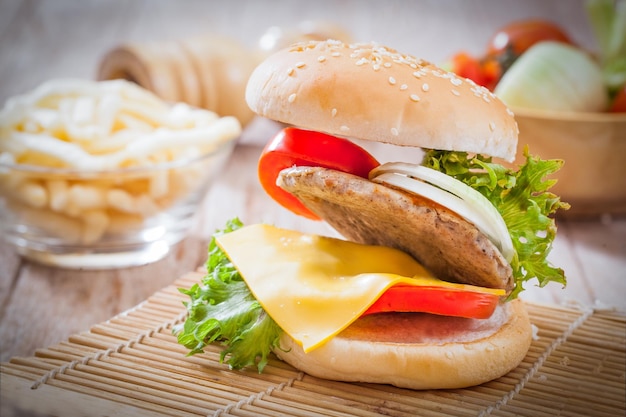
(57, 194)
(109, 138)
(87, 197)
(32, 194)
(55, 225)
(120, 200)
(95, 223)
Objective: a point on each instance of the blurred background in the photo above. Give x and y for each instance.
(42, 39)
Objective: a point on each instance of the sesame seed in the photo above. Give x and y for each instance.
(425, 87)
(394, 131)
(290, 71)
(492, 126)
(333, 112)
(300, 64)
(414, 97)
(404, 87)
(456, 81)
(292, 98)
(387, 64)
(321, 58)
(392, 80)
(344, 128)
(417, 74)
(456, 93)
(361, 61)
(335, 54)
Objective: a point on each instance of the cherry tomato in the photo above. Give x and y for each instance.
(512, 40)
(436, 300)
(491, 71)
(484, 71)
(297, 147)
(465, 65)
(619, 102)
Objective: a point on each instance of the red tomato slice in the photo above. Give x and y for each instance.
(436, 300)
(297, 147)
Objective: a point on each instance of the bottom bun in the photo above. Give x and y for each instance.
(419, 351)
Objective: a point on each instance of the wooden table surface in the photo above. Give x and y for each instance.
(40, 40)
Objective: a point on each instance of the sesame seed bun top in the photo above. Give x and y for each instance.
(369, 91)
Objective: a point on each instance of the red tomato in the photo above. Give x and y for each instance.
(492, 72)
(484, 71)
(512, 40)
(521, 35)
(619, 102)
(467, 66)
(296, 147)
(436, 300)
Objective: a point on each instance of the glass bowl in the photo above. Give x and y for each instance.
(104, 219)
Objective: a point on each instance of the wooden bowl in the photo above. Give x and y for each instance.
(593, 146)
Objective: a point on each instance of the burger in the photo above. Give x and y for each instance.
(421, 291)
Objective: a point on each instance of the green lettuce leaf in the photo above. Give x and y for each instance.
(222, 309)
(523, 200)
(608, 22)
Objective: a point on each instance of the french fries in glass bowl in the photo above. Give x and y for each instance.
(99, 175)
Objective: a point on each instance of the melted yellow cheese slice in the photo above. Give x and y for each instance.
(312, 286)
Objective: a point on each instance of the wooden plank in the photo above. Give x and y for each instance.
(82, 298)
(600, 250)
(52, 400)
(9, 274)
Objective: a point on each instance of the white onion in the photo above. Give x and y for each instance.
(554, 76)
(451, 193)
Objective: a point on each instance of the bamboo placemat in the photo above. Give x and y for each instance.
(132, 365)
